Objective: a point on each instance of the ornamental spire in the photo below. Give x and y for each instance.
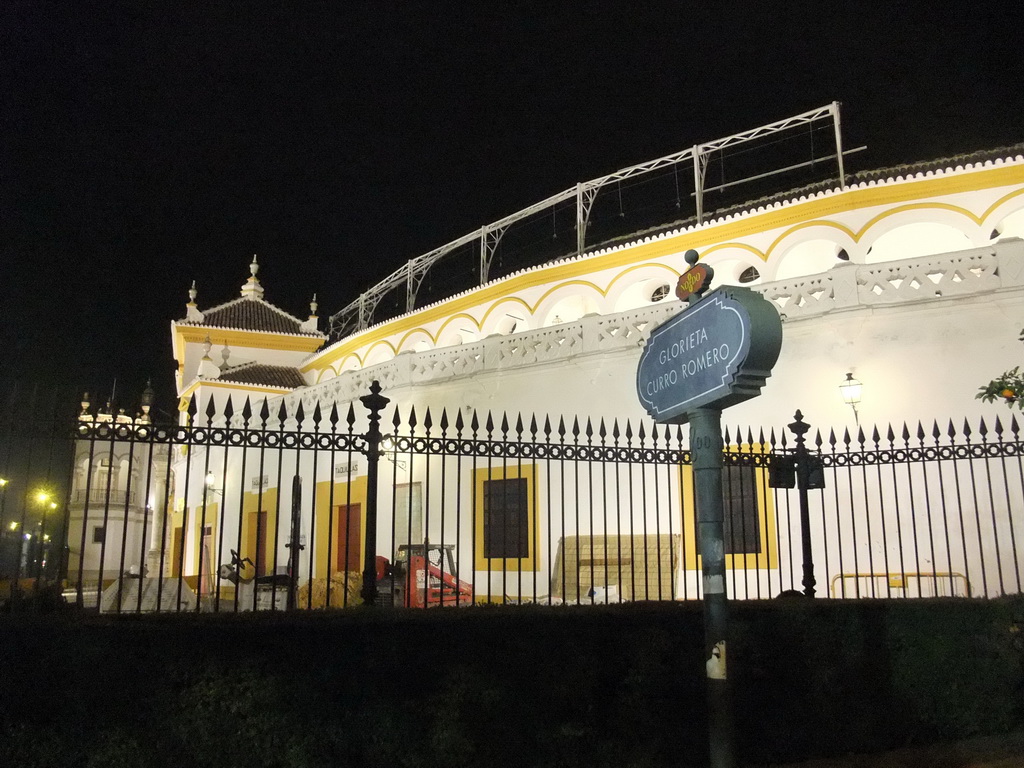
(207, 368)
(311, 325)
(252, 288)
(192, 313)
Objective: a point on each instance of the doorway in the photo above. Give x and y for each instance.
(349, 523)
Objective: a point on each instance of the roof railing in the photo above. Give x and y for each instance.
(359, 314)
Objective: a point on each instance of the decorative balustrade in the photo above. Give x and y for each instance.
(845, 287)
(102, 496)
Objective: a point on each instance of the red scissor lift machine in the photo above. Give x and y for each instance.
(422, 576)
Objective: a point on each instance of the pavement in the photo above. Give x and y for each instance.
(1004, 751)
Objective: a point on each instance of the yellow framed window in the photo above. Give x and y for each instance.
(748, 519)
(505, 509)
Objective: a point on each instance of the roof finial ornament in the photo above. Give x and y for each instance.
(311, 325)
(192, 313)
(207, 368)
(224, 355)
(252, 288)
(146, 402)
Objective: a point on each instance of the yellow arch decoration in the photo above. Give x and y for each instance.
(379, 343)
(413, 332)
(825, 223)
(502, 302)
(650, 264)
(738, 246)
(323, 372)
(916, 207)
(452, 319)
(1001, 201)
(349, 356)
(566, 284)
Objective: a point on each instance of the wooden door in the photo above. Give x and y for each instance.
(177, 547)
(264, 561)
(348, 524)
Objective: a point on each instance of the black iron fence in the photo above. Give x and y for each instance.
(262, 509)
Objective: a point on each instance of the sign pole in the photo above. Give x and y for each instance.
(717, 352)
(706, 449)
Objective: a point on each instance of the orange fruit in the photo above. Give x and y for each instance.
(1008, 393)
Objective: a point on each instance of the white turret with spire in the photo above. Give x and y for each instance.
(245, 344)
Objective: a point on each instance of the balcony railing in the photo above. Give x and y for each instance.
(103, 496)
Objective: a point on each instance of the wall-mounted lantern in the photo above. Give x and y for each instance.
(851, 390)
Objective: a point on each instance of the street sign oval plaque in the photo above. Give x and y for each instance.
(716, 353)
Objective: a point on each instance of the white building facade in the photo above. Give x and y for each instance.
(911, 280)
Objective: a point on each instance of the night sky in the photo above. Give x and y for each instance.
(144, 145)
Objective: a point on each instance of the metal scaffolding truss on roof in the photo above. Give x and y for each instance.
(358, 315)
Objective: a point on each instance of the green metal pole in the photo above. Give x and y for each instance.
(706, 450)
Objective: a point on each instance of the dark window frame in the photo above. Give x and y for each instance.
(506, 511)
(741, 518)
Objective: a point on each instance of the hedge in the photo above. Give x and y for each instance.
(503, 686)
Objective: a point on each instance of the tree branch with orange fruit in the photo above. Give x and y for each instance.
(1009, 387)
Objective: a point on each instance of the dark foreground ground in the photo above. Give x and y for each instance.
(1005, 751)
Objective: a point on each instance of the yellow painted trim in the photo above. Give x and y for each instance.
(506, 472)
(768, 557)
(734, 246)
(649, 265)
(328, 524)
(410, 334)
(1001, 201)
(323, 372)
(452, 319)
(915, 207)
(824, 224)
(215, 384)
(380, 343)
(178, 345)
(358, 359)
(253, 339)
(501, 303)
(744, 225)
(566, 284)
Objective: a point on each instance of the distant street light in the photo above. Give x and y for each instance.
(43, 498)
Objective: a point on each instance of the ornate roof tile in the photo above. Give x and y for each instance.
(264, 375)
(251, 314)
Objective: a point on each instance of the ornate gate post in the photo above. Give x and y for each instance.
(374, 403)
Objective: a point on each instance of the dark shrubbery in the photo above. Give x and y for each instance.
(618, 686)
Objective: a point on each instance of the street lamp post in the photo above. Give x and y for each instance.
(3, 499)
